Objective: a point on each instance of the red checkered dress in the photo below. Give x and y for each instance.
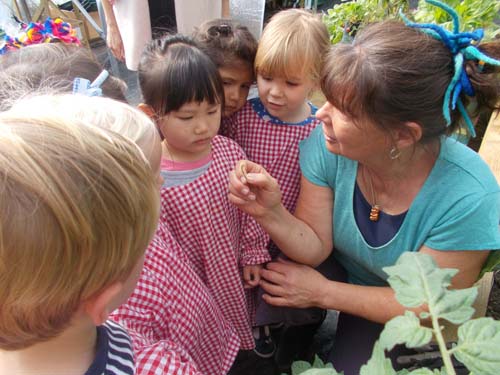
(217, 237)
(171, 304)
(271, 143)
(162, 358)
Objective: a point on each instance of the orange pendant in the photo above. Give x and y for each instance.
(374, 213)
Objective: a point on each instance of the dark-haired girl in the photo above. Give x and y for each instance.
(183, 93)
(232, 48)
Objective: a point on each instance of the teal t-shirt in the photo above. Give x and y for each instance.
(458, 208)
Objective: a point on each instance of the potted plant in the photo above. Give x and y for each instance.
(417, 281)
(346, 18)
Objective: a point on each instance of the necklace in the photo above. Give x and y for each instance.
(375, 210)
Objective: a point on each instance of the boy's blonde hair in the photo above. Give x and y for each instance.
(293, 43)
(102, 112)
(78, 207)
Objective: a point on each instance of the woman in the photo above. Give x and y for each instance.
(129, 23)
(380, 177)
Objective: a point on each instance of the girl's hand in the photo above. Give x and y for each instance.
(251, 275)
(253, 190)
(291, 284)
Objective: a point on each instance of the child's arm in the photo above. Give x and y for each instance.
(154, 352)
(164, 357)
(251, 275)
(254, 243)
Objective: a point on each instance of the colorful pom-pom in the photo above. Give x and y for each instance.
(50, 31)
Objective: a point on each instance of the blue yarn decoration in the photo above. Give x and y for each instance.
(462, 45)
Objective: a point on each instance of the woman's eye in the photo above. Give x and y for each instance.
(212, 112)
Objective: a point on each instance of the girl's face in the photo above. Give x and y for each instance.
(189, 130)
(355, 141)
(284, 98)
(237, 80)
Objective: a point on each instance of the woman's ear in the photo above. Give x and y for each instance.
(148, 110)
(98, 307)
(407, 136)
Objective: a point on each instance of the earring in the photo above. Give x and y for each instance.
(394, 153)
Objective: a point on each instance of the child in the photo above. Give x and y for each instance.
(269, 128)
(232, 48)
(203, 335)
(183, 93)
(71, 250)
(58, 64)
(183, 327)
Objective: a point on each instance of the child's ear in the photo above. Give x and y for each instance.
(148, 110)
(98, 307)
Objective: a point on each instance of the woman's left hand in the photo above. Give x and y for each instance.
(287, 283)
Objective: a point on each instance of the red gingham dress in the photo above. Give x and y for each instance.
(162, 358)
(218, 238)
(271, 143)
(171, 304)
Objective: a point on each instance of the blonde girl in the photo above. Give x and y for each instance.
(269, 128)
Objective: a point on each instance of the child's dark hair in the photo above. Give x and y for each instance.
(173, 71)
(50, 67)
(393, 74)
(226, 42)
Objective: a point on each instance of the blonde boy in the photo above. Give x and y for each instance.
(78, 207)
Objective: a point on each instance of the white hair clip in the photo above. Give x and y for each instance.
(85, 87)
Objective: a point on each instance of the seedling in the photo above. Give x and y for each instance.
(417, 281)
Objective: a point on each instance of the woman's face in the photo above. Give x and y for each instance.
(344, 137)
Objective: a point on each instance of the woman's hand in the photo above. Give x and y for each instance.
(113, 38)
(291, 284)
(253, 190)
(114, 42)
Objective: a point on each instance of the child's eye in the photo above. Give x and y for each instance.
(226, 83)
(212, 112)
(289, 83)
(246, 86)
(185, 118)
(265, 78)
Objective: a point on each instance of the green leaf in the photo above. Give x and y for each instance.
(403, 372)
(456, 305)
(405, 329)
(478, 346)
(322, 371)
(318, 368)
(417, 280)
(492, 262)
(378, 364)
(318, 363)
(423, 371)
(300, 367)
